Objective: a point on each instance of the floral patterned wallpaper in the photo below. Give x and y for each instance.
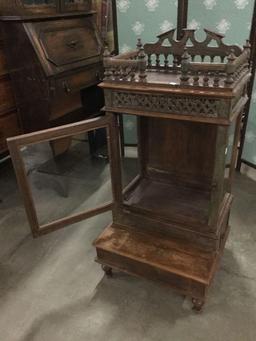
(233, 19)
(144, 19)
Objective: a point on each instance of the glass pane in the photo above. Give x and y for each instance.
(38, 2)
(74, 181)
(104, 9)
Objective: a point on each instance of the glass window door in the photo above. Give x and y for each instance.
(60, 190)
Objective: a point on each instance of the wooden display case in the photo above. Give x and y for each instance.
(171, 222)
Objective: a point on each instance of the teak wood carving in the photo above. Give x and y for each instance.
(171, 222)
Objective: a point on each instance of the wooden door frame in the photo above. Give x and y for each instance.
(250, 90)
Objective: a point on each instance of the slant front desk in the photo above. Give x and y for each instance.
(171, 222)
(53, 51)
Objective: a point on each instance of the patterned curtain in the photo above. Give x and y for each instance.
(144, 19)
(233, 19)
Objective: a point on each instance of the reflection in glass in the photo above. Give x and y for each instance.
(69, 183)
(104, 9)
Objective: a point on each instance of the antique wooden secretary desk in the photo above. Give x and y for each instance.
(171, 222)
(54, 54)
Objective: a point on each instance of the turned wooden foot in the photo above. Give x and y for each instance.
(107, 270)
(197, 304)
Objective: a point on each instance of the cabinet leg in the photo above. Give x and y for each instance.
(107, 270)
(197, 304)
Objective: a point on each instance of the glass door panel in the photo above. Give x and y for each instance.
(64, 189)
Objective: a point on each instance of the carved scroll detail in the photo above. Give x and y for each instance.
(194, 47)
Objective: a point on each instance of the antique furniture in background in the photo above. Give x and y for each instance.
(172, 221)
(9, 125)
(54, 53)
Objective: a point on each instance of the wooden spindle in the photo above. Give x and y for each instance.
(149, 61)
(206, 79)
(107, 68)
(166, 62)
(132, 74)
(157, 60)
(196, 79)
(139, 44)
(185, 67)
(175, 62)
(117, 73)
(142, 65)
(216, 79)
(230, 68)
(124, 73)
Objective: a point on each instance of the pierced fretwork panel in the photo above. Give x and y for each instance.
(175, 104)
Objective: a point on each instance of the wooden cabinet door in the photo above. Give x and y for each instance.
(16, 144)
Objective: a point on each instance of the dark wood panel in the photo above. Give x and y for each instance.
(8, 127)
(7, 101)
(178, 150)
(3, 64)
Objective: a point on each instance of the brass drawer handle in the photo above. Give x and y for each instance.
(72, 44)
(66, 87)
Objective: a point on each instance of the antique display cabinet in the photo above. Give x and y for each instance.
(171, 222)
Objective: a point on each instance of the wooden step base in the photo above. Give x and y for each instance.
(175, 262)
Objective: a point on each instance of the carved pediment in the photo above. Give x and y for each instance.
(212, 45)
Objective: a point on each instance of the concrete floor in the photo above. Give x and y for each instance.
(51, 288)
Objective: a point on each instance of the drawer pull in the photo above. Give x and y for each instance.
(72, 44)
(66, 87)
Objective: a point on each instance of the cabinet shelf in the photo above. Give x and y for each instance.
(172, 201)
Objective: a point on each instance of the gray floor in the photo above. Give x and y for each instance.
(51, 288)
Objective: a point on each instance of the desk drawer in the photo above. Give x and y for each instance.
(8, 127)
(78, 81)
(69, 41)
